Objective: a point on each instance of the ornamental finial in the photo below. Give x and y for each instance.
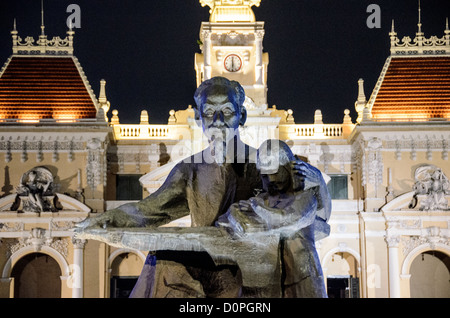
(419, 24)
(42, 18)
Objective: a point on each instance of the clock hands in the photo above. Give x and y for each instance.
(233, 63)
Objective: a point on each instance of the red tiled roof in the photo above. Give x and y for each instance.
(416, 87)
(44, 88)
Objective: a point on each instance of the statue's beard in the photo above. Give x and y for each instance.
(218, 141)
(218, 150)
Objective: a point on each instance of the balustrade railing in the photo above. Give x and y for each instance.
(318, 131)
(127, 131)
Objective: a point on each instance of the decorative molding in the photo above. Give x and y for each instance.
(5, 66)
(79, 243)
(58, 225)
(392, 241)
(431, 236)
(413, 150)
(40, 146)
(37, 238)
(12, 227)
(86, 83)
(444, 149)
(60, 245)
(375, 162)
(375, 91)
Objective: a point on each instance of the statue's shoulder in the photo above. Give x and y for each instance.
(190, 163)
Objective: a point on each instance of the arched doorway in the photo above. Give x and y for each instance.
(125, 270)
(342, 276)
(430, 275)
(37, 275)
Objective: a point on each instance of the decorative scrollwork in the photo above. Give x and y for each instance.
(420, 45)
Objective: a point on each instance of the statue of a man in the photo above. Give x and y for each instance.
(204, 186)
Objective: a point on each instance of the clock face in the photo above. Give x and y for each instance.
(233, 63)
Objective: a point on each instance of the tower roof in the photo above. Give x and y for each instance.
(44, 81)
(35, 88)
(414, 84)
(413, 88)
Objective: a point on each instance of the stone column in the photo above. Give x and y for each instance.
(207, 54)
(259, 76)
(77, 268)
(394, 270)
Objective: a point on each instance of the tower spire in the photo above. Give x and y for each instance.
(14, 36)
(42, 18)
(419, 24)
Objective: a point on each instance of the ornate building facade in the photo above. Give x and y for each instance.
(64, 156)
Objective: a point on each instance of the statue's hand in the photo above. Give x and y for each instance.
(304, 172)
(112, 218)
(244, 206)
(100, 221)
(255, 202)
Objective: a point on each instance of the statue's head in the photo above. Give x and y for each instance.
(274, 162)
(220, 107)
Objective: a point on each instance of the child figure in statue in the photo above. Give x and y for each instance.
(296, 208)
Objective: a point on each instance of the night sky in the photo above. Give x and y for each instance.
(144, 49)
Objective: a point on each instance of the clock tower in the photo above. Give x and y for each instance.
(231, 45)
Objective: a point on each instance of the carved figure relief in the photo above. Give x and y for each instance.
(35, 192)
(432, 182)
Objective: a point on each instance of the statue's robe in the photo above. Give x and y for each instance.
(204, 189)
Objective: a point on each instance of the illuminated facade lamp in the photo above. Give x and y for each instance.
(29, 118)
(65, 118)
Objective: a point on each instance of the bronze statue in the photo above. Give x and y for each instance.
(203, 185)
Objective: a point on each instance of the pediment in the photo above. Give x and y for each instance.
(400, 203)
(407, 202)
